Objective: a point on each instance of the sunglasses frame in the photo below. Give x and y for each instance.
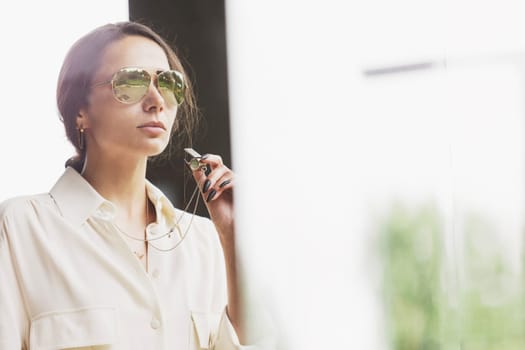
(152, 77)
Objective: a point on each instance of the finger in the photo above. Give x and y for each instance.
(217, 173)
(224, 184)
(213, 160)
(211, 184)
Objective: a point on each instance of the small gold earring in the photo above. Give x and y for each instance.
(81, 138)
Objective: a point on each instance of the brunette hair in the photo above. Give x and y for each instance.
(83, 61)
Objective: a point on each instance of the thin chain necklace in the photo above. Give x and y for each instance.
(148, 241)
(137, 254)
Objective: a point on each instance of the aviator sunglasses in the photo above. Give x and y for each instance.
(131, 84)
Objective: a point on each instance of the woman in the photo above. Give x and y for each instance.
(102, 261)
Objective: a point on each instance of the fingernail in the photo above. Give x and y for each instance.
(224, 183)
(206, 186)
(205, 156)
(211, 195)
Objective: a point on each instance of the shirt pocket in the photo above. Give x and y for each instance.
(80, 328)
(204, 329)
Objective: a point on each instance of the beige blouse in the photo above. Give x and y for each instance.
(68, 279)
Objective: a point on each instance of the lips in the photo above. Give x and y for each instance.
(153, 124)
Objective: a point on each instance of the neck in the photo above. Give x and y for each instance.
(121, 181)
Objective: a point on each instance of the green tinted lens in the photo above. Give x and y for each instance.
(130, 84)
(171, 86)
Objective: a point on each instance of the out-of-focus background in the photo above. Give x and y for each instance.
(378, 145)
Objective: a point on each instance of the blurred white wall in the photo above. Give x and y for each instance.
(321, 148)
(35, 37)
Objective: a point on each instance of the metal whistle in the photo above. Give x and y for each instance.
(195, 161)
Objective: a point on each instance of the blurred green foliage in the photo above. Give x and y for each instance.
(463, 297)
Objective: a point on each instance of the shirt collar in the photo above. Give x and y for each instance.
(166, 213)
(77, 200)
(75, 197)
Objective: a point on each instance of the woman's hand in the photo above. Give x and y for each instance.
(217, 191)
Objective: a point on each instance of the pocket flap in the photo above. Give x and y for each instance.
(205, 325)
(74, 328)
(202, 328)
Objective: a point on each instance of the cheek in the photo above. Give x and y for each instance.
(101, 96)
(109, 122)
(100, 108)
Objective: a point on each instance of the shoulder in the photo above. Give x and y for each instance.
(19, 209)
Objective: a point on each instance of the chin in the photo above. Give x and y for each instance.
(154, 153)
(156, 150)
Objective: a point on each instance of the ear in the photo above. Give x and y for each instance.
(82, 119)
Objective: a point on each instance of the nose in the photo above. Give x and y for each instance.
(153, 100)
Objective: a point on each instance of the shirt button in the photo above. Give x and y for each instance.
(155, 273)
(155, 324)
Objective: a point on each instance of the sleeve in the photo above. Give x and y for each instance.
(13, 316)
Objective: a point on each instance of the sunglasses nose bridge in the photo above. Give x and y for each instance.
(154, 80)
(153, 94)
